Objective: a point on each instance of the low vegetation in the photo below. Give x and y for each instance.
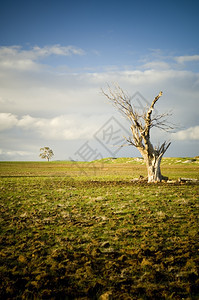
(73, 230)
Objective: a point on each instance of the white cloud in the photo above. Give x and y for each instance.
(63, 127)
(7, 121)
(15, 57)
(57, 50)
(186, 58)
(26, 122)
(191, 133)
(156, 65)
(16, 153)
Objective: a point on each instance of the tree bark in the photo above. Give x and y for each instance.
(153, 169)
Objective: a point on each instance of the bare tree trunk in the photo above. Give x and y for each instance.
(153, 169)
(153, 158)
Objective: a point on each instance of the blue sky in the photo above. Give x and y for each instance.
(56, 55)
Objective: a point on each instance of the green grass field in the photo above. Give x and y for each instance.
(73, 230)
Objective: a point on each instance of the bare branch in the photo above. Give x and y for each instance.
(148, 121)
(163, 148)
(148, 117)
(123, 104)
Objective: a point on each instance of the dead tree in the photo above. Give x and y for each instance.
(141, 125)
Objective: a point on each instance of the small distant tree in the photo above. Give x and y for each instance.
(46, 153)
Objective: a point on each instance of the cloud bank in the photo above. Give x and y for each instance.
(7, 121)
(186, 58)
(15, 57)
(191, 133)
(63, 127)
(58, 104)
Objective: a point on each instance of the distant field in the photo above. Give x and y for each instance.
(123, 168)
(73, 230)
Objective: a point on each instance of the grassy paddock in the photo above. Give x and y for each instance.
(83, 230)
